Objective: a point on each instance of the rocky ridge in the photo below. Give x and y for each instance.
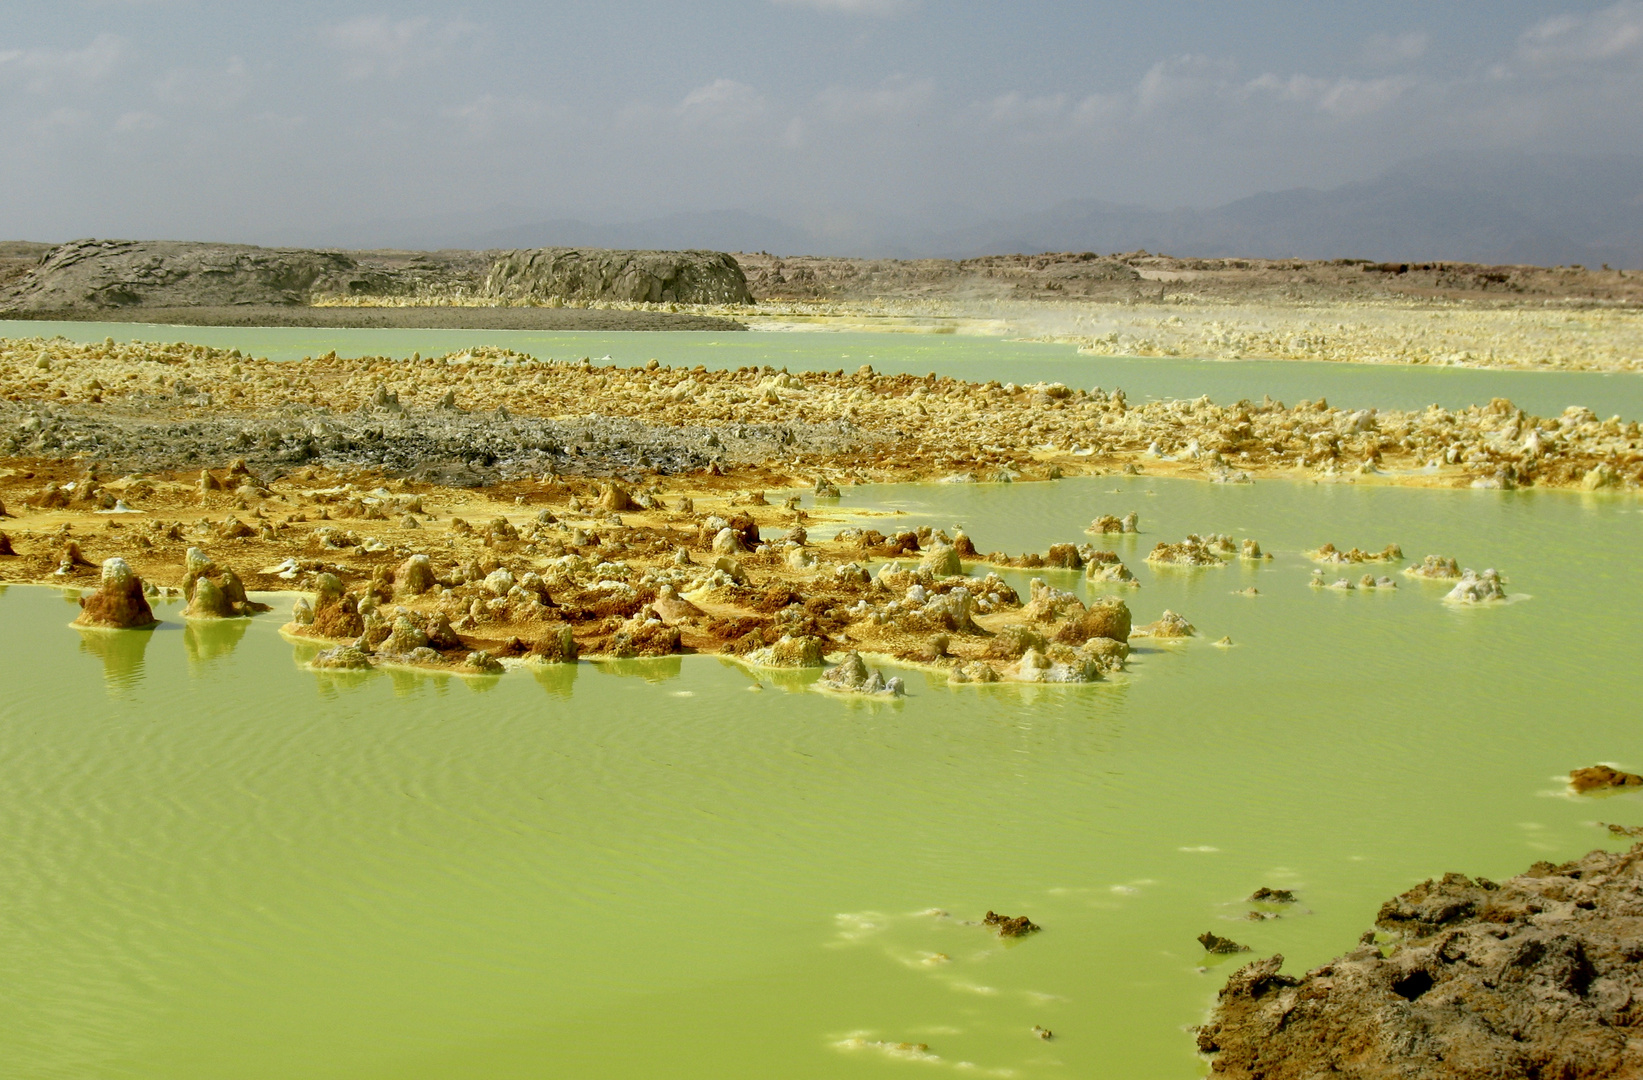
(113, 275)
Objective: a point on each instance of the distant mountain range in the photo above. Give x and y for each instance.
(1492, 208)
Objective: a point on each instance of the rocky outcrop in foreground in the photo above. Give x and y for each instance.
(1538, 976)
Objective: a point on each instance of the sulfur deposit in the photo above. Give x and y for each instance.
(516, 510)
(476, 416)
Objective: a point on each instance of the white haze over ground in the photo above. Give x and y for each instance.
(306, 122)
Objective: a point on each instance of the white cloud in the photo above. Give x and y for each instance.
(377, 45)
(878, 8)
(1613, 34)
(56, 71)
(722, 103)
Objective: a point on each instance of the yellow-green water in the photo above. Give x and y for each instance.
(1382, 386)
(218, 864)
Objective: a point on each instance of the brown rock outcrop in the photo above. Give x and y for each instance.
(336, 614)
(1106, 617)
(414, 576)
(1600, 777)
(1169, 625)
(656, 277)
(214, 592)
(119, 603)
(1535, 977)
(1011, 927)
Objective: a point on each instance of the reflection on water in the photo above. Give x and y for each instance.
(411, 683)
(652, 669)
(333, 683)
(792, 680)
(559, 680)
(121, 652)
(211, 639)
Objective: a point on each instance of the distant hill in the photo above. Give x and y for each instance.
(1541, 209)
(1544, 210)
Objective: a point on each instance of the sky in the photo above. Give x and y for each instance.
(279, 122)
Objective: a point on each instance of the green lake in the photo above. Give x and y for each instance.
(966, 357)
(220, 864)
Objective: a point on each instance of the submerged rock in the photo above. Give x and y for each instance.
(1438, 567)
(1601, 777)
(118, 603)
(1106, 523)
(1169, 625)
(1220, 946)
(1477, 588)
(1330, 554)
(1536, 976)
(1011, 927)
(1195, 550)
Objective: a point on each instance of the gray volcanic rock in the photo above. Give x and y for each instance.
(657, 277)
(1538, 976)
(449, 447)
(125, 273)
(105, 275)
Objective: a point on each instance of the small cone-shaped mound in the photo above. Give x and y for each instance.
(119, 604)
(209, 602)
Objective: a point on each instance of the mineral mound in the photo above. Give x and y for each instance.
(1537, 976)
(118, 603)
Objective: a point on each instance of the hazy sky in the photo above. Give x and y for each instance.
(272, 122)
